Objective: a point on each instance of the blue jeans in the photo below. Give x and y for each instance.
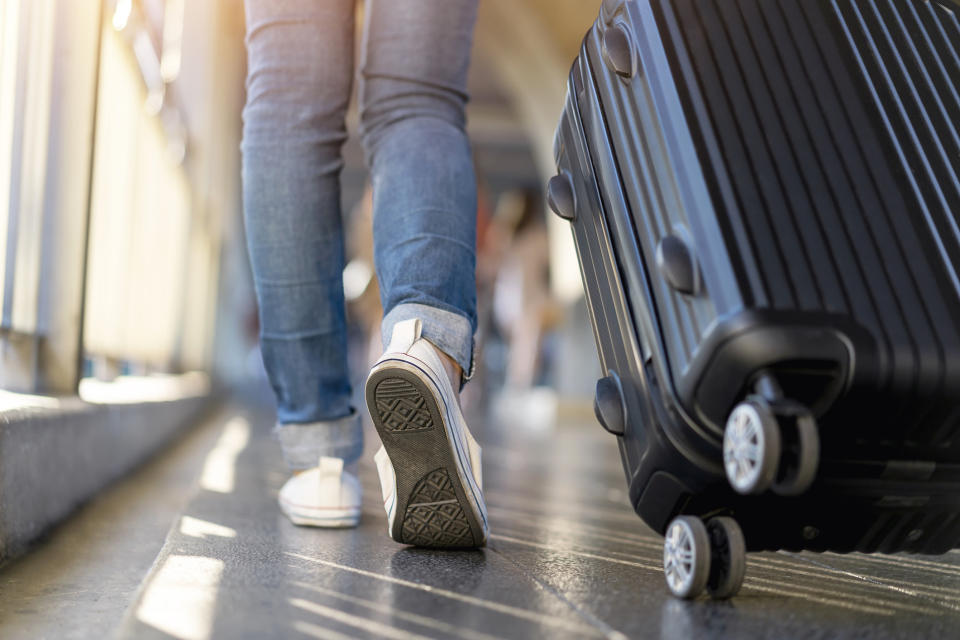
(413, 72)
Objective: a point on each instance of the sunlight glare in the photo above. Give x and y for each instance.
(197, 528)
(219, 469)
(181, 597)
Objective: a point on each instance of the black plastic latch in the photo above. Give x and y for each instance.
(609, 405)
(677, 265)
(560, 196)
(619, 51)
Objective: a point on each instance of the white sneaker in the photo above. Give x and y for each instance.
(324, 496)
(429, 464)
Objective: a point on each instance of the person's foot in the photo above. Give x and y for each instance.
(324, 496)
(429, 464)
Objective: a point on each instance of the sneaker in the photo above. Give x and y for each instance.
(324, 496)
(429, 464)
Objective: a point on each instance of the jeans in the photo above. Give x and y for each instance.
(413, 70)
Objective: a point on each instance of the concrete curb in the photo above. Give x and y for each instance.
(55, 457)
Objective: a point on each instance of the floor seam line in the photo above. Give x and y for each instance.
(606, 630)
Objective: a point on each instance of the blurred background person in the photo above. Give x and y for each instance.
(523, 307)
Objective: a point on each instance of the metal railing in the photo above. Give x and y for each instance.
(110, 226)
(48, 61)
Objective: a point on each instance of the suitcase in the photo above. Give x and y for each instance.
(765, 201)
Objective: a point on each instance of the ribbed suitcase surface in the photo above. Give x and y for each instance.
(828, 140)
(808, 154)
(836, 124)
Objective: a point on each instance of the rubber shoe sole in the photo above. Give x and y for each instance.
(432, 507)
(322, 518)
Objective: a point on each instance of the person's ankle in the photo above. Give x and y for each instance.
(451, 368)
(349, 467)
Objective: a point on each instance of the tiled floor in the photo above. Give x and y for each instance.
(567, 558)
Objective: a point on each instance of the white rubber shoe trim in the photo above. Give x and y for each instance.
(388, 484)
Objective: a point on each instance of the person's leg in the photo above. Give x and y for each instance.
(298, 89)
(413, 94)
(424, 193)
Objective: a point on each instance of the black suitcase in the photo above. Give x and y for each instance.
(765, 200)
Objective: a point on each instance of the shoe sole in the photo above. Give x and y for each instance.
(341, 520)
(325, 523)
(432, 508)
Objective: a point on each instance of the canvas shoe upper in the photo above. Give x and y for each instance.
(325, 496)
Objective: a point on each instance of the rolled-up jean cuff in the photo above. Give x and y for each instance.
(303, 444)
(448, 331)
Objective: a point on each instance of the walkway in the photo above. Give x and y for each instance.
(567, 559)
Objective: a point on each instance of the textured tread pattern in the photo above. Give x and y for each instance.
(402, 408)
(434, 517)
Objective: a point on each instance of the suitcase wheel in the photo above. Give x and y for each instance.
(728, 558)
(801, 454)
(686, 556)
(771, 445)
(751, 447)
(698, 557)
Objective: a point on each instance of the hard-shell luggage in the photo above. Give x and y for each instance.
(765, 200)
